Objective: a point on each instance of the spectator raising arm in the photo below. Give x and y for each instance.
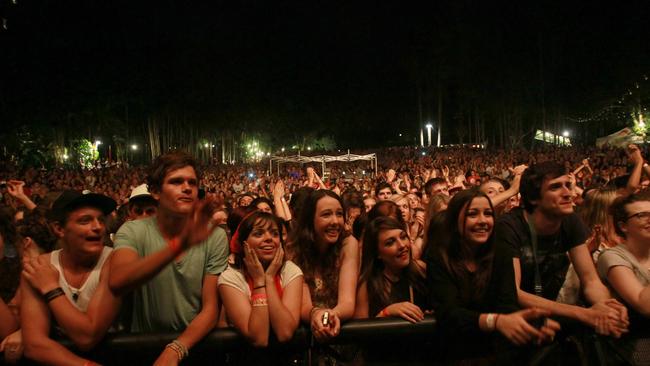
(129, 270)
(15, 188)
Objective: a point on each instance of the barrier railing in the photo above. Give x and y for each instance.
(143, 348)
(413, 344)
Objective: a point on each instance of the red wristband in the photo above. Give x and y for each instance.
(384, 312)
(175, 245)
(258, 296)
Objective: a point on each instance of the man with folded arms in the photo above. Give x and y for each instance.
(70, 284)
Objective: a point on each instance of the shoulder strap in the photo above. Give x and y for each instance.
(533, 240)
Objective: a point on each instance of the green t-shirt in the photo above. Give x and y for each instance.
(170, 300)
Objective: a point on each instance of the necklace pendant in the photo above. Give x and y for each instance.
(318, 283)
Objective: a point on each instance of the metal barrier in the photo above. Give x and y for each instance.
(408, 343)
(143, 348)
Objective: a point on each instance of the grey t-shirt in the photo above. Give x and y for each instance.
(170, 300)
(621, 256)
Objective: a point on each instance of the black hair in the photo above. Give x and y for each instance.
(259, 200)
(428, 186)
(382, 185)
(533, 179)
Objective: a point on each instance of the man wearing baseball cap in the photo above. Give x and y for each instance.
(70, 283)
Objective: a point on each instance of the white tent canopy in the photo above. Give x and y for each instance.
(323, 159)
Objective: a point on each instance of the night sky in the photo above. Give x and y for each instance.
(352, 71)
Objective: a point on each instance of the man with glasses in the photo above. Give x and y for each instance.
(540, 235)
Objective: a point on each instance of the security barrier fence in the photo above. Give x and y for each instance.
(388, 341)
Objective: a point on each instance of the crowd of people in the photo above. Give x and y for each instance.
(504, 248)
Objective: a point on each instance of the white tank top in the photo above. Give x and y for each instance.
(80, 297)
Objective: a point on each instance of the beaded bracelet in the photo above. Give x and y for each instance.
(179, 348)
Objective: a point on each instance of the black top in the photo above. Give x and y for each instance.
(512, 231)
(458, 314)
(399, 292)
(10, 269)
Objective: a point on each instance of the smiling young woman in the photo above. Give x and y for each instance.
(329, 261)
(391, 284)
(472, 285)
(261, 291)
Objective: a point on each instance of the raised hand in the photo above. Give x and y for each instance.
(198, 226)
(15, 188)
(445, 171)
(278, 189)
(390, 176)
(427, 174)
(519, 169)
(310, 173)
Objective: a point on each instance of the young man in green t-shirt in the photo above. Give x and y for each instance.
(172, 260)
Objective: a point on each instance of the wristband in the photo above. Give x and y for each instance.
(53, 294)
(491, 321)
(384, 313)
(259, 300)
(175, 245)
(179, 348)
(258, 296)
(313, 309)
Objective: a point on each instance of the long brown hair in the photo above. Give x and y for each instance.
(456, 252)
(372, 267)
(304, 252)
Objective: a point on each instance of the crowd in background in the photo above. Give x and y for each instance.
(500, 246)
